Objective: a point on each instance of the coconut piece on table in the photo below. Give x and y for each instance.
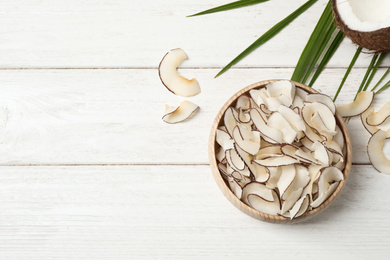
(171, 79)
(362, 102)
(375, 151)
(363, 117)
(184, 111)
(379, 117)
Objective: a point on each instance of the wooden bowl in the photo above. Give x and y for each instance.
(241, 205)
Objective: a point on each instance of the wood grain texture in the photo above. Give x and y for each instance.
(174, 212)
(107, 116)
(137, 33)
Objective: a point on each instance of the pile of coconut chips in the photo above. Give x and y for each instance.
(280, 149)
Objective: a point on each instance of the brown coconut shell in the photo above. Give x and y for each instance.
(378, 41)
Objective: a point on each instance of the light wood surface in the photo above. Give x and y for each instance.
(88, 170)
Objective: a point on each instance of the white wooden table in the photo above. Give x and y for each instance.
(90, 171)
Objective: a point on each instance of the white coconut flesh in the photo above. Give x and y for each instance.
(364, 15)
(362, 102)
(375, 151)
(170, 77)
(279, 139)
(181, 113)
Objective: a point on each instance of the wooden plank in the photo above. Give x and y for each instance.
(114, 116)
(174, 212)
(137, 33)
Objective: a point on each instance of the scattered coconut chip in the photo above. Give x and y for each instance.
(363, 117)
(179, 114)
(375, 151)
(377, 118)
(362, 102)
(171, 79)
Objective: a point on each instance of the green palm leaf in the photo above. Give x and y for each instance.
(268, 35)
(229, 6)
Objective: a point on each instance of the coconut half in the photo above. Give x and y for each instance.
(366, 23)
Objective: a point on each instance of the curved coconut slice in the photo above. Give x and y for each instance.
(310, 109)
(362, 102)
(300, 182)
(321, 153)
(284, 90)
(301, 93)
(327, 176)
(317, 122)
(379, 117)
(229, 120)
(287, 176)
(245, 144)
(234, 160)
(179, 114)
(258, 189)
(367, 23)
(261, 125)
(324, 196)
(363, 117)
(220, 154)
(375, 151)
(276, 161)
(323, 99)
(294, 120)
(171, 79)
(339, 137)
(292, 198)
(274, 173)
(243, 117)
(235, 187)
(223, 170)
(268, 151)
(300, 207)
(243, 102)
(224, 139)
(328, 181)
(279, 123)
(259, 204)
(312, 135)
(257, 96)
(260, 173)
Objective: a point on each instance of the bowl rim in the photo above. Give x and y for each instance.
(240, 204)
